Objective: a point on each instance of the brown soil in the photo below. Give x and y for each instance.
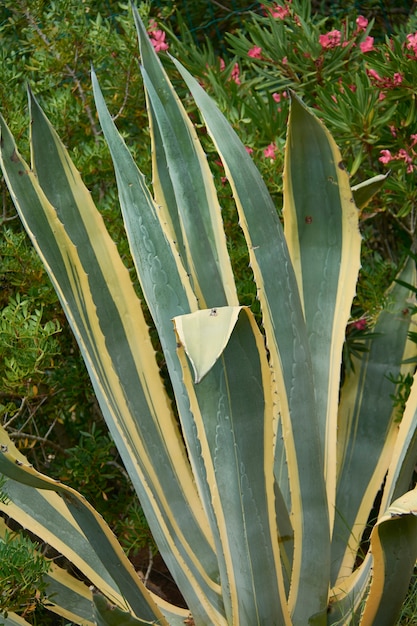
(159, 580)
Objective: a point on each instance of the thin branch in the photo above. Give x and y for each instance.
(126, 95)
(18, 414)
(20, 435)
(221, 6)
(229, 10)
(149, 568)
(120, 468)
(5, 218)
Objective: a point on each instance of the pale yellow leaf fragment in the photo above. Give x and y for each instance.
(204, 335)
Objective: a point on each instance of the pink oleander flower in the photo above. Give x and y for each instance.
(404, 156)
(385, 82)
(360, 324)
(157, 38)
(277, 97)
(152, 26)
(331, 39)
(386, 156)
(374, 74)
(398, 79)
(361, 22)
(277, 11)
(249, 150)
(269, 152)
(235, 71)
(367, 45)
(235, 74)
(413, 139)
(412, 43)
(255, 52)
(280, 12)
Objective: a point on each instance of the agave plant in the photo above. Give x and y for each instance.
(259, 484)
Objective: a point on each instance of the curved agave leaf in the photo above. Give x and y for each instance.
(402, 464)
(393, 540)
(95, 529)
(394, 551)
(13, 619)
(367, 426)
(346, 599)
(69, 597)
(48, 515)
(107, 614)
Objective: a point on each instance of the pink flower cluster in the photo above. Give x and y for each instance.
(407, 156)
(157, 37)
(235, 75)
(333, 38)
(277, 96)
(255, 52)
(367, 45)
(361, 23)
(412, 43)
(360, 324)
(269, 152)
(385, 82)
(278, 11)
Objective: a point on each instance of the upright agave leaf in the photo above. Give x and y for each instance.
(286, 335)
(321, 228)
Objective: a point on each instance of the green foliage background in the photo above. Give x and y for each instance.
(46, 399)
